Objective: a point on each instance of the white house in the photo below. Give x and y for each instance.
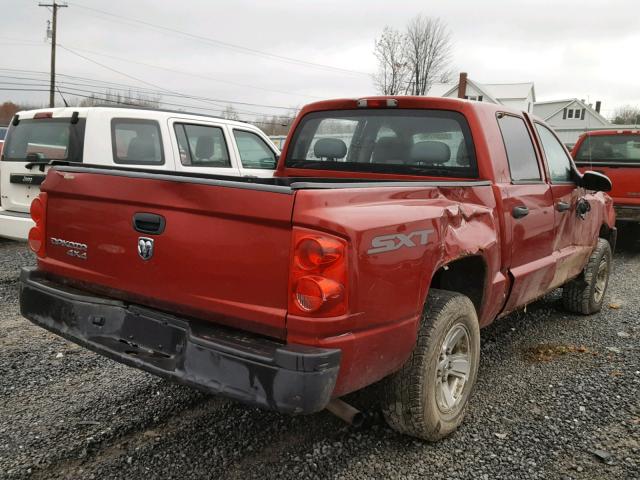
(571, 117)
(517, 95)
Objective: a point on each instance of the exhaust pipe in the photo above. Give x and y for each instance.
(346, 412)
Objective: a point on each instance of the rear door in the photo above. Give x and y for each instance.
(203, 147)
(528, 210)
(29, 145)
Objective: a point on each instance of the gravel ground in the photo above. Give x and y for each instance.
(557, 397)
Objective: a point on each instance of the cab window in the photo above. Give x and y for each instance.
(136, 142)
(521, 156)
(202, 146)
(254, 151)
(557, 159)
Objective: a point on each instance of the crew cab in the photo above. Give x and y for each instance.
(395, 228)
(135, 137)
(615, 153)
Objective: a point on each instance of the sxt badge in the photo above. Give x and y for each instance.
(389, 243)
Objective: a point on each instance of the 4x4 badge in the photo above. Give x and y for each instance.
(145, 248)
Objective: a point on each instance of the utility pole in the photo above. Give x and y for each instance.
(54, 17)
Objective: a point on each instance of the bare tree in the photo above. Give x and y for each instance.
(391, 77)
(627, 115)
(276, 124)
(427, 51)
(230, 113)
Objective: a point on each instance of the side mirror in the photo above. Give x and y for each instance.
(595, 181)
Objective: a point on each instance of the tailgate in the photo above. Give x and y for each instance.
(223, 255)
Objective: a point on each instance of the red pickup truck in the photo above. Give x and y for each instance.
(396, 228)
(615, 153)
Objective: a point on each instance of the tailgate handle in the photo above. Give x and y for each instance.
(149, 223)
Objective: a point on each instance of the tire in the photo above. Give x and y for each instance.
(413, 402)
(585, 294)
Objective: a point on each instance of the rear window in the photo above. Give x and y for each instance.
(413, 142)
(45, 139)
(610, 149)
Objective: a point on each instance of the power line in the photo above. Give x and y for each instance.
(105, 96)
(195, 75)
(125, 87)
(221, 43)
(140, 80)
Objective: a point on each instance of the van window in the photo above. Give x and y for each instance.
(45, 139)
(202, 146)
(254, 152)
(523, 162)
(136, 141)
(557, 159)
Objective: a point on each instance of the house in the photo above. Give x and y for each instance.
(517, 95)
(571, 117)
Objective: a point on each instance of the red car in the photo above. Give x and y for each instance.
(397, 227)
(615, 153)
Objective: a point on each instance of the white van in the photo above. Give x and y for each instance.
(134, 137)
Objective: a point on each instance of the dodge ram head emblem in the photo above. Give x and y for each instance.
(145, 248)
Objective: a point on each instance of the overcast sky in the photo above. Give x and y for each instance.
(577, 48)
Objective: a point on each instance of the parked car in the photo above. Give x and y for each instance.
(397, 227)
(109, 136)
(615, 153)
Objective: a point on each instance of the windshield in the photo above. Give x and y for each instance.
(413, 142)
(45, 139)
(610, 148)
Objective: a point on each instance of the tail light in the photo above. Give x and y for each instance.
(318, 278)
(37, 233)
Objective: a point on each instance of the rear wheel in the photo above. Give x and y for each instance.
(427, 398)
(585, 294)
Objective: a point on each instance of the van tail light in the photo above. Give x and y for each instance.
(318, 277)
(37, 233)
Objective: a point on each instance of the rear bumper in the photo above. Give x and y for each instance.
(15, 225)
(625, 213)
(254, 370)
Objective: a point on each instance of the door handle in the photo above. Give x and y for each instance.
(562, 206)
(149, 223)
(520, 211)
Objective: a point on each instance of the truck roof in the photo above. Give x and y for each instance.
(146, 112)
(416, 102)
(621, 131)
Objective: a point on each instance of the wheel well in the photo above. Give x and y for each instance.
(466, 275)
(607, 234)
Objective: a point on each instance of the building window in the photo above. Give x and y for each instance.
(476, 98)
(576, 113)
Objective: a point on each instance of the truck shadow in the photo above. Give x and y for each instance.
(628, 238)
